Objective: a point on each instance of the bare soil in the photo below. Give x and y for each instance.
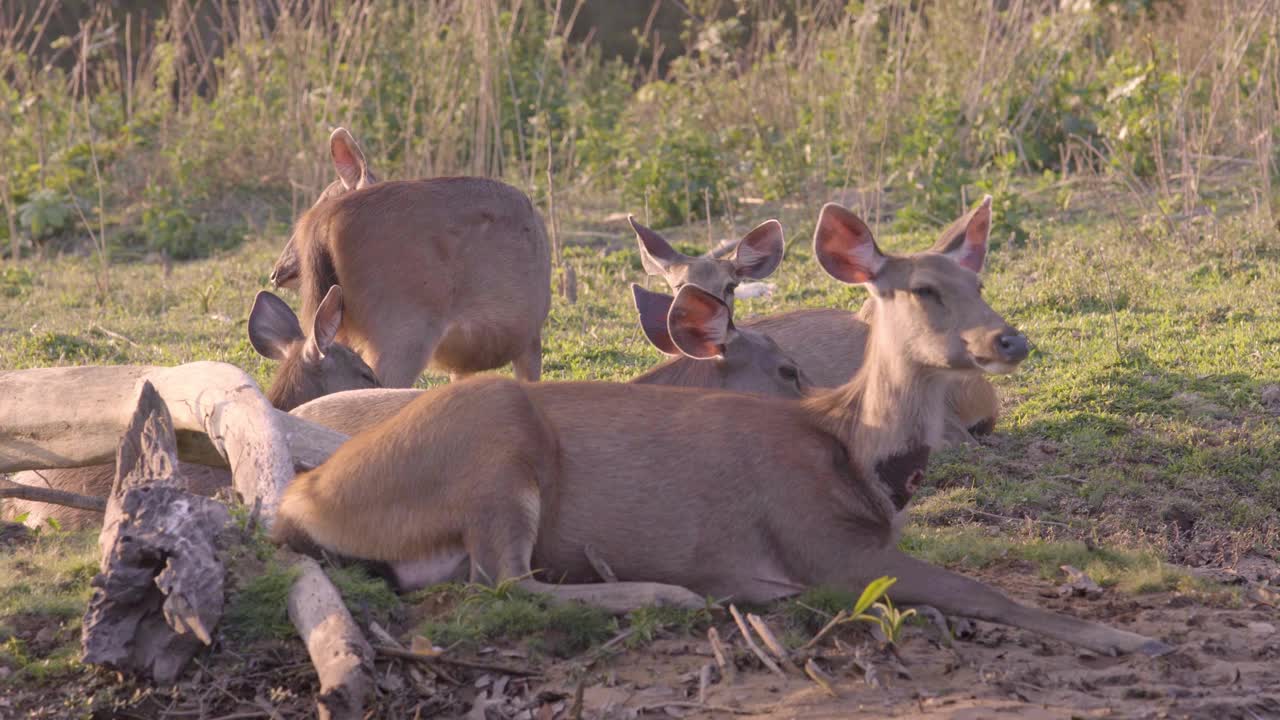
(1226, 664)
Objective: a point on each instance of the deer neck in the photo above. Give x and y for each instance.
(889, 415)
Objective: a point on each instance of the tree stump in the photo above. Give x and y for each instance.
(160, 590)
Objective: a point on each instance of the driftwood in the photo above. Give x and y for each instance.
(73, 417)
(341, 655)
(17, 491)
(160, 590)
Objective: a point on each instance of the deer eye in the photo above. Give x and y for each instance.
(789, 373)
(927, 292)
(728, 289)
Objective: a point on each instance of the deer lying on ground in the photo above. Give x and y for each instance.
(829, 343)
(687, 493)
(694, 325)
(353, 174)
(310, 366)
(452, 273)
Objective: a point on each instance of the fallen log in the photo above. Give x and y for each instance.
(341, 655)
(160, 589)
(72, 417)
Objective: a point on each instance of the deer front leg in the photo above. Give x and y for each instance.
(953, 594)
(501, 548)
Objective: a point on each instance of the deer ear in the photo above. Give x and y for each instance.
(965, 240)
(653, 308)
(700, 323)
(844, 246)
(272, 326)
(324, 328)
(656, 254)
(348, 159)
(760, 252)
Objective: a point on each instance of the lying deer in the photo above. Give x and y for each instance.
(694, 325)
(353, 174)
(452, 273)
(687, 493)
(830, 343)
(310, 366)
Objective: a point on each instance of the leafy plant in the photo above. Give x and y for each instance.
(889, 618)
(45, 213)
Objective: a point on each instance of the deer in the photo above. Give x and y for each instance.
(309, 366)
(448, 273)
(685, 493)
(353, 174)
(694, 327)
(829, 343)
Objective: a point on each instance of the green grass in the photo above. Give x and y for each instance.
(477, 614)
(45, 585)
(258, 609)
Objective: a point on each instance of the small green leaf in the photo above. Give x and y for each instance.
(875, 589)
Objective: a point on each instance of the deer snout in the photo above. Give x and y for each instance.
(1011, 346)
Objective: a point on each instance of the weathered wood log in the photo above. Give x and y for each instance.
(340, 653)
(72, 417)
(160, 590)
(10, 489)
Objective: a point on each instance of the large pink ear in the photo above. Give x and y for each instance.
(656, 254)
(653, 308)
(700, 323)
(965, 240)
(348, 159)
(760, 252)
(324, 328)
(273, 326)
(844, 246)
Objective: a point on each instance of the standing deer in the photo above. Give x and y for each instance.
(353, 174)
(694, 325)
(310, 366)
(830, 343)
(452, 273)
(687, 493)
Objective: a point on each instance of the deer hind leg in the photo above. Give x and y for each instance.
(528, 365)
(973, 405)
(924, 584)
(501, 549)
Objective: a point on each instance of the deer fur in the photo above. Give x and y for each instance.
(829, 344)
(309, 366)
(452, 273)
(353, 173)
(686, 493)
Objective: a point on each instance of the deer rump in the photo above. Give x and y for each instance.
(452, 273)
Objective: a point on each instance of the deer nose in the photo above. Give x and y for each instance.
(1012, 346)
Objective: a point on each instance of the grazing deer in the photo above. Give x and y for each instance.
(353, 174)
(454, 273)
(687, 493)
(829, 343)
(310, 366)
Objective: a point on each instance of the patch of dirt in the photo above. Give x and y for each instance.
(1225, 664)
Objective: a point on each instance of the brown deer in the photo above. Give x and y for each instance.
(756, 256)
(697, 327)
(711, 354)
(309, 367)
(829, 343)
(452, 273)
(353, 174)
(687, 493)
